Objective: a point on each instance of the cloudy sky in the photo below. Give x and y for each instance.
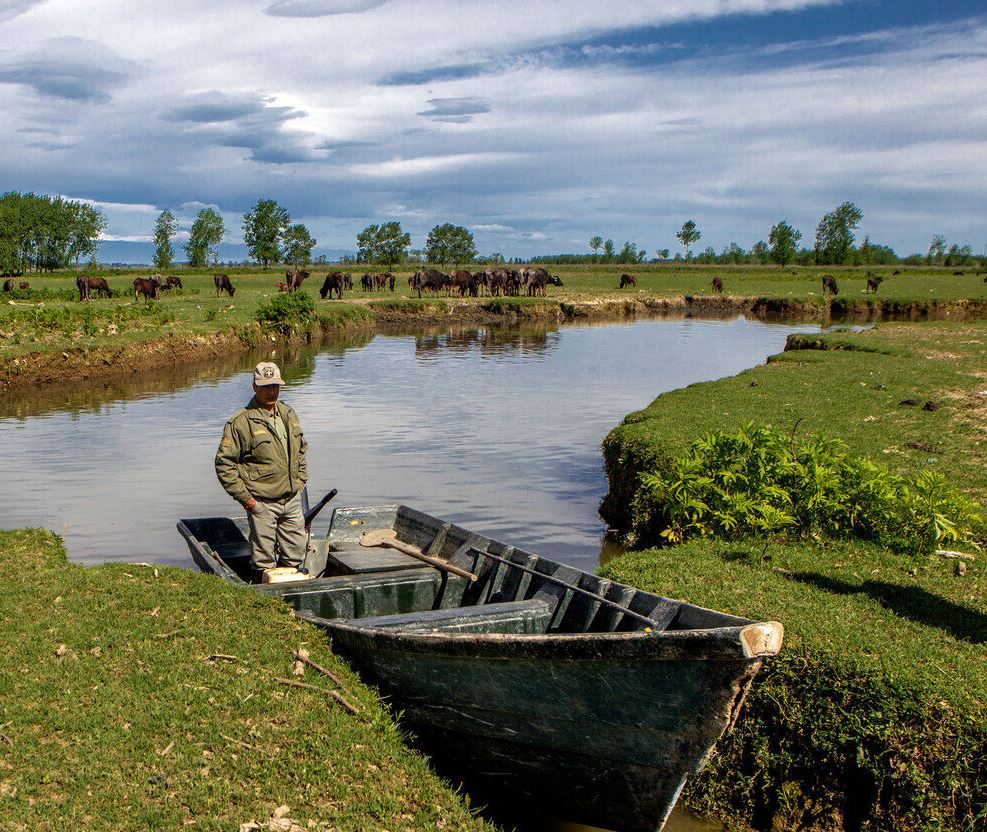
(536, 125)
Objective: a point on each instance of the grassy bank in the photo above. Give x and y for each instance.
(140, 697)
(875, 716)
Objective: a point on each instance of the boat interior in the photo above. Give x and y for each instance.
(515, 592)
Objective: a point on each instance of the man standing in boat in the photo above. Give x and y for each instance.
(261, 464)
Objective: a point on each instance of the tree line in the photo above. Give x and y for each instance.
(45, 233)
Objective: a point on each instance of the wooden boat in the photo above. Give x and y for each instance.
(574, 696)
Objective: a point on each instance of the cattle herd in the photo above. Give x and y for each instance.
(531, 282)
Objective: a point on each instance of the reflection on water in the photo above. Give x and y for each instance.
(495, 428)
(681, 820)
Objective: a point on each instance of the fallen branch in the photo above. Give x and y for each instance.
(302, 656)
(166, 635)
(241, 743)
(949, 553)
(331, 693)
(223, 657)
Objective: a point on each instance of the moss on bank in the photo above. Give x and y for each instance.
(875, 715)
(138, 697)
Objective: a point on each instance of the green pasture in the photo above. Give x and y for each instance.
(875, 712)
(133, 698)
(48, 316)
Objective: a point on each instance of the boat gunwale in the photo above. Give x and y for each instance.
(732, 643)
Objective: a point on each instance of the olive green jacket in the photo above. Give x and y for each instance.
(251, 462)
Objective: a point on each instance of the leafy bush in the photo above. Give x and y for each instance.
(759, 482)
(287, 312)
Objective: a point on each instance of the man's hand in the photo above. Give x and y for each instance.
(250, 505)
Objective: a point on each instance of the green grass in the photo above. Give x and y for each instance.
(115, 713)
(197, 310)
(875, 715)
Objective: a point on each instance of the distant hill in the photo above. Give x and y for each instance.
(141, 254)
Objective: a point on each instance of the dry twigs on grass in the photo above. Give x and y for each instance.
(223, 657)
(241, 743)
(331, 693)
(303, 656)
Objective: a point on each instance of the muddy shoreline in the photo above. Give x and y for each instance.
(107, 361)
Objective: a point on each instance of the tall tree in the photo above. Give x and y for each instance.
(206, 233)
(609, 251)
(663, 253)
(595, 244)
(834, 234)
(263, 229)
(383, 245)
(628, 254)
(937, 250)
(164, 230)
(688, 235)
(784, 242)
(450, 244)
(298, 245)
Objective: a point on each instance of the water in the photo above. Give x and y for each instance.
(495, 429)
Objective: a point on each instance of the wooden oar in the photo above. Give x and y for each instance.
(387, 537)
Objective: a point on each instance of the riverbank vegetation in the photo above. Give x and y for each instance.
(133, 700)
(874, 715)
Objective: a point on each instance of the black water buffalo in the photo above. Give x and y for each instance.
(873, 283)
(8, 285)
(717, 284)
(149, 287)
(88, 285)
(829, 284)
(334, 282)
(431, 280)
(627, 280)
(24, 285)
(222, 282)
(174, 280)
(535, 281)
(463, 282)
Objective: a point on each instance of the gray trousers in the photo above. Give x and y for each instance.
(277, 527)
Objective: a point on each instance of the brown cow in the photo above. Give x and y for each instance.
(829, 284)
(8, 285)
(223, 284)
(295, 278)
(88, 285)
(174, 280)
(535, 281)
(462, 281)
(717, 284)
(24, 285)
(873, 283)
(627, 280)
(149, 287)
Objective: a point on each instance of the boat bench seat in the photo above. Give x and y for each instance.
(529, 617)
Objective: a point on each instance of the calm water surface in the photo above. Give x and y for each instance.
(495, 429)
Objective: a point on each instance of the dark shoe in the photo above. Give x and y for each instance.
(302, 570)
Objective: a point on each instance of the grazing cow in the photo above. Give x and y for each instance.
(24, 285)
(829, 284)
(333, 283)
(717, 284)
(173, 280)
(896, 271)
(367, 282)
(223, 284)
(431, 280)
(88, 285)
(536, 281)
(496, 280)
(8, 285)
(627, 280)
(149, 287)
(873, 283)
(284, 287)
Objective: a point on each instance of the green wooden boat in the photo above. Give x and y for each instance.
(541, 687)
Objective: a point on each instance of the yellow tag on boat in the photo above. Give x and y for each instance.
(282, 574)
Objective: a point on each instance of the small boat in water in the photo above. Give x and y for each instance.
(541, 686)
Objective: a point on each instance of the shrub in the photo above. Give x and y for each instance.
(759, 482)
(287, 312)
